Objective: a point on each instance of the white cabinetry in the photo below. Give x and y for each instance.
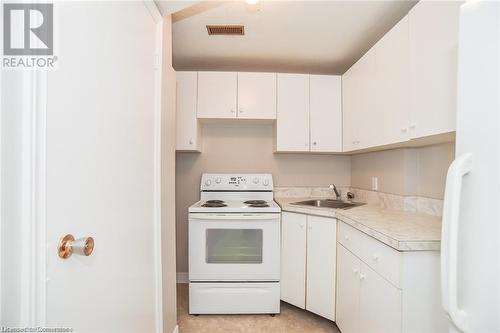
(326, 113)
(309, 116)
(376, 93)
(293, 259)
(433, 66)
(292, 125)
(188, 129)
(308, 260)
(391, 112)
(380, 289)
(257, 95)
(358, 103)
(217, 94)
(321, 266)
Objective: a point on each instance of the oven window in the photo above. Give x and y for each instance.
(234, 246)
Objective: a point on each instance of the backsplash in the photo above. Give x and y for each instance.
(414, 204)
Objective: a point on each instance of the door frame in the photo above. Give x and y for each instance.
(33, 242)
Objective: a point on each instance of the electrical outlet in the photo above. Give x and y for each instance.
(374, 183)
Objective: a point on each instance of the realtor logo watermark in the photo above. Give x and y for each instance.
(28, 35)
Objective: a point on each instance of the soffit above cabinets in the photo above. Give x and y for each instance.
(324, 37)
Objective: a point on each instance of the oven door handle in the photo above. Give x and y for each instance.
(234, 217)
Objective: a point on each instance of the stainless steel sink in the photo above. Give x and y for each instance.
(328, 203)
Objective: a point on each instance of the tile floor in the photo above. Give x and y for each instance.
(291, 320)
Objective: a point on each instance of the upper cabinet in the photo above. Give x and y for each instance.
(391, 87)
(257, 95)
(404, 87)
(217, 94)
(376, 93)
(223, 95)
(188, 130)
(433, 67)
(292, 126)
(309, 116)
(325, 95)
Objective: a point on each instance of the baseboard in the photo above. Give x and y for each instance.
(176, 329)
(182, 277)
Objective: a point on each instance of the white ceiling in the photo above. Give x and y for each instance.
(283, 36)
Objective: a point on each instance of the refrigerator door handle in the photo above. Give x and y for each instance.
(449, 238)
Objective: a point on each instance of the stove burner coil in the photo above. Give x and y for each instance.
(256, 202)
(214, 205)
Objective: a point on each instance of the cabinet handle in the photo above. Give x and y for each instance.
(240, 110)
(375, 257)
(404, 130)
(232, 110)
(315, 143)
(310, 227)
(190, 142)
(355, 271)
(301, 226)
(361, 276)
(346, 237)
(355, 142)
(412, 126)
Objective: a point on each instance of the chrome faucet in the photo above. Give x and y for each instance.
(337, 192)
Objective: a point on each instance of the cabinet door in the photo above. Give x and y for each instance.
(292, 125)
(293, 258)
(380, 303)
(257, 95)
(433, 66)
(326, 113)
(187, 121)
(391, 106)
(321, 266)
(217, 94)
(347, 313)
(360, 99)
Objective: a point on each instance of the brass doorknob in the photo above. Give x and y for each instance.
(81, 246)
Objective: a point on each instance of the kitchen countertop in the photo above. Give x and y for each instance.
(403, 231)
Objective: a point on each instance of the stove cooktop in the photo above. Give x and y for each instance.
(235, 206)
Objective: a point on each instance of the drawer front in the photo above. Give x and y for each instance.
(350, 238)
(383, 259)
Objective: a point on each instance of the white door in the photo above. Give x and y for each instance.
(257, 95)
(100, 168)
(321, 266)
(347, 310)
(433, 35)
(217, 94)
(379, 303)
(293, 258)
(392, 87)
(187, 120)
(326, 113)
(292, 124)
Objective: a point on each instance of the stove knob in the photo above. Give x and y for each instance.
(208, 182)
(218, 180)
(266, 182)
(256, 180)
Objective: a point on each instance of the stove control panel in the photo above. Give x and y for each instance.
(236, 182)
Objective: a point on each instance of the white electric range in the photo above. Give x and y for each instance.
(234, 246)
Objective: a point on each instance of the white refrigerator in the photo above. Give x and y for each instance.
(470, 250)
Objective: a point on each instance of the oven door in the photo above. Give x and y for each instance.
(234, 247)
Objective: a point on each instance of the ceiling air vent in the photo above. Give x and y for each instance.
(224, 29)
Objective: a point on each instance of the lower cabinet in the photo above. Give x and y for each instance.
(366, 301)
(380, 289)
(308, 262)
